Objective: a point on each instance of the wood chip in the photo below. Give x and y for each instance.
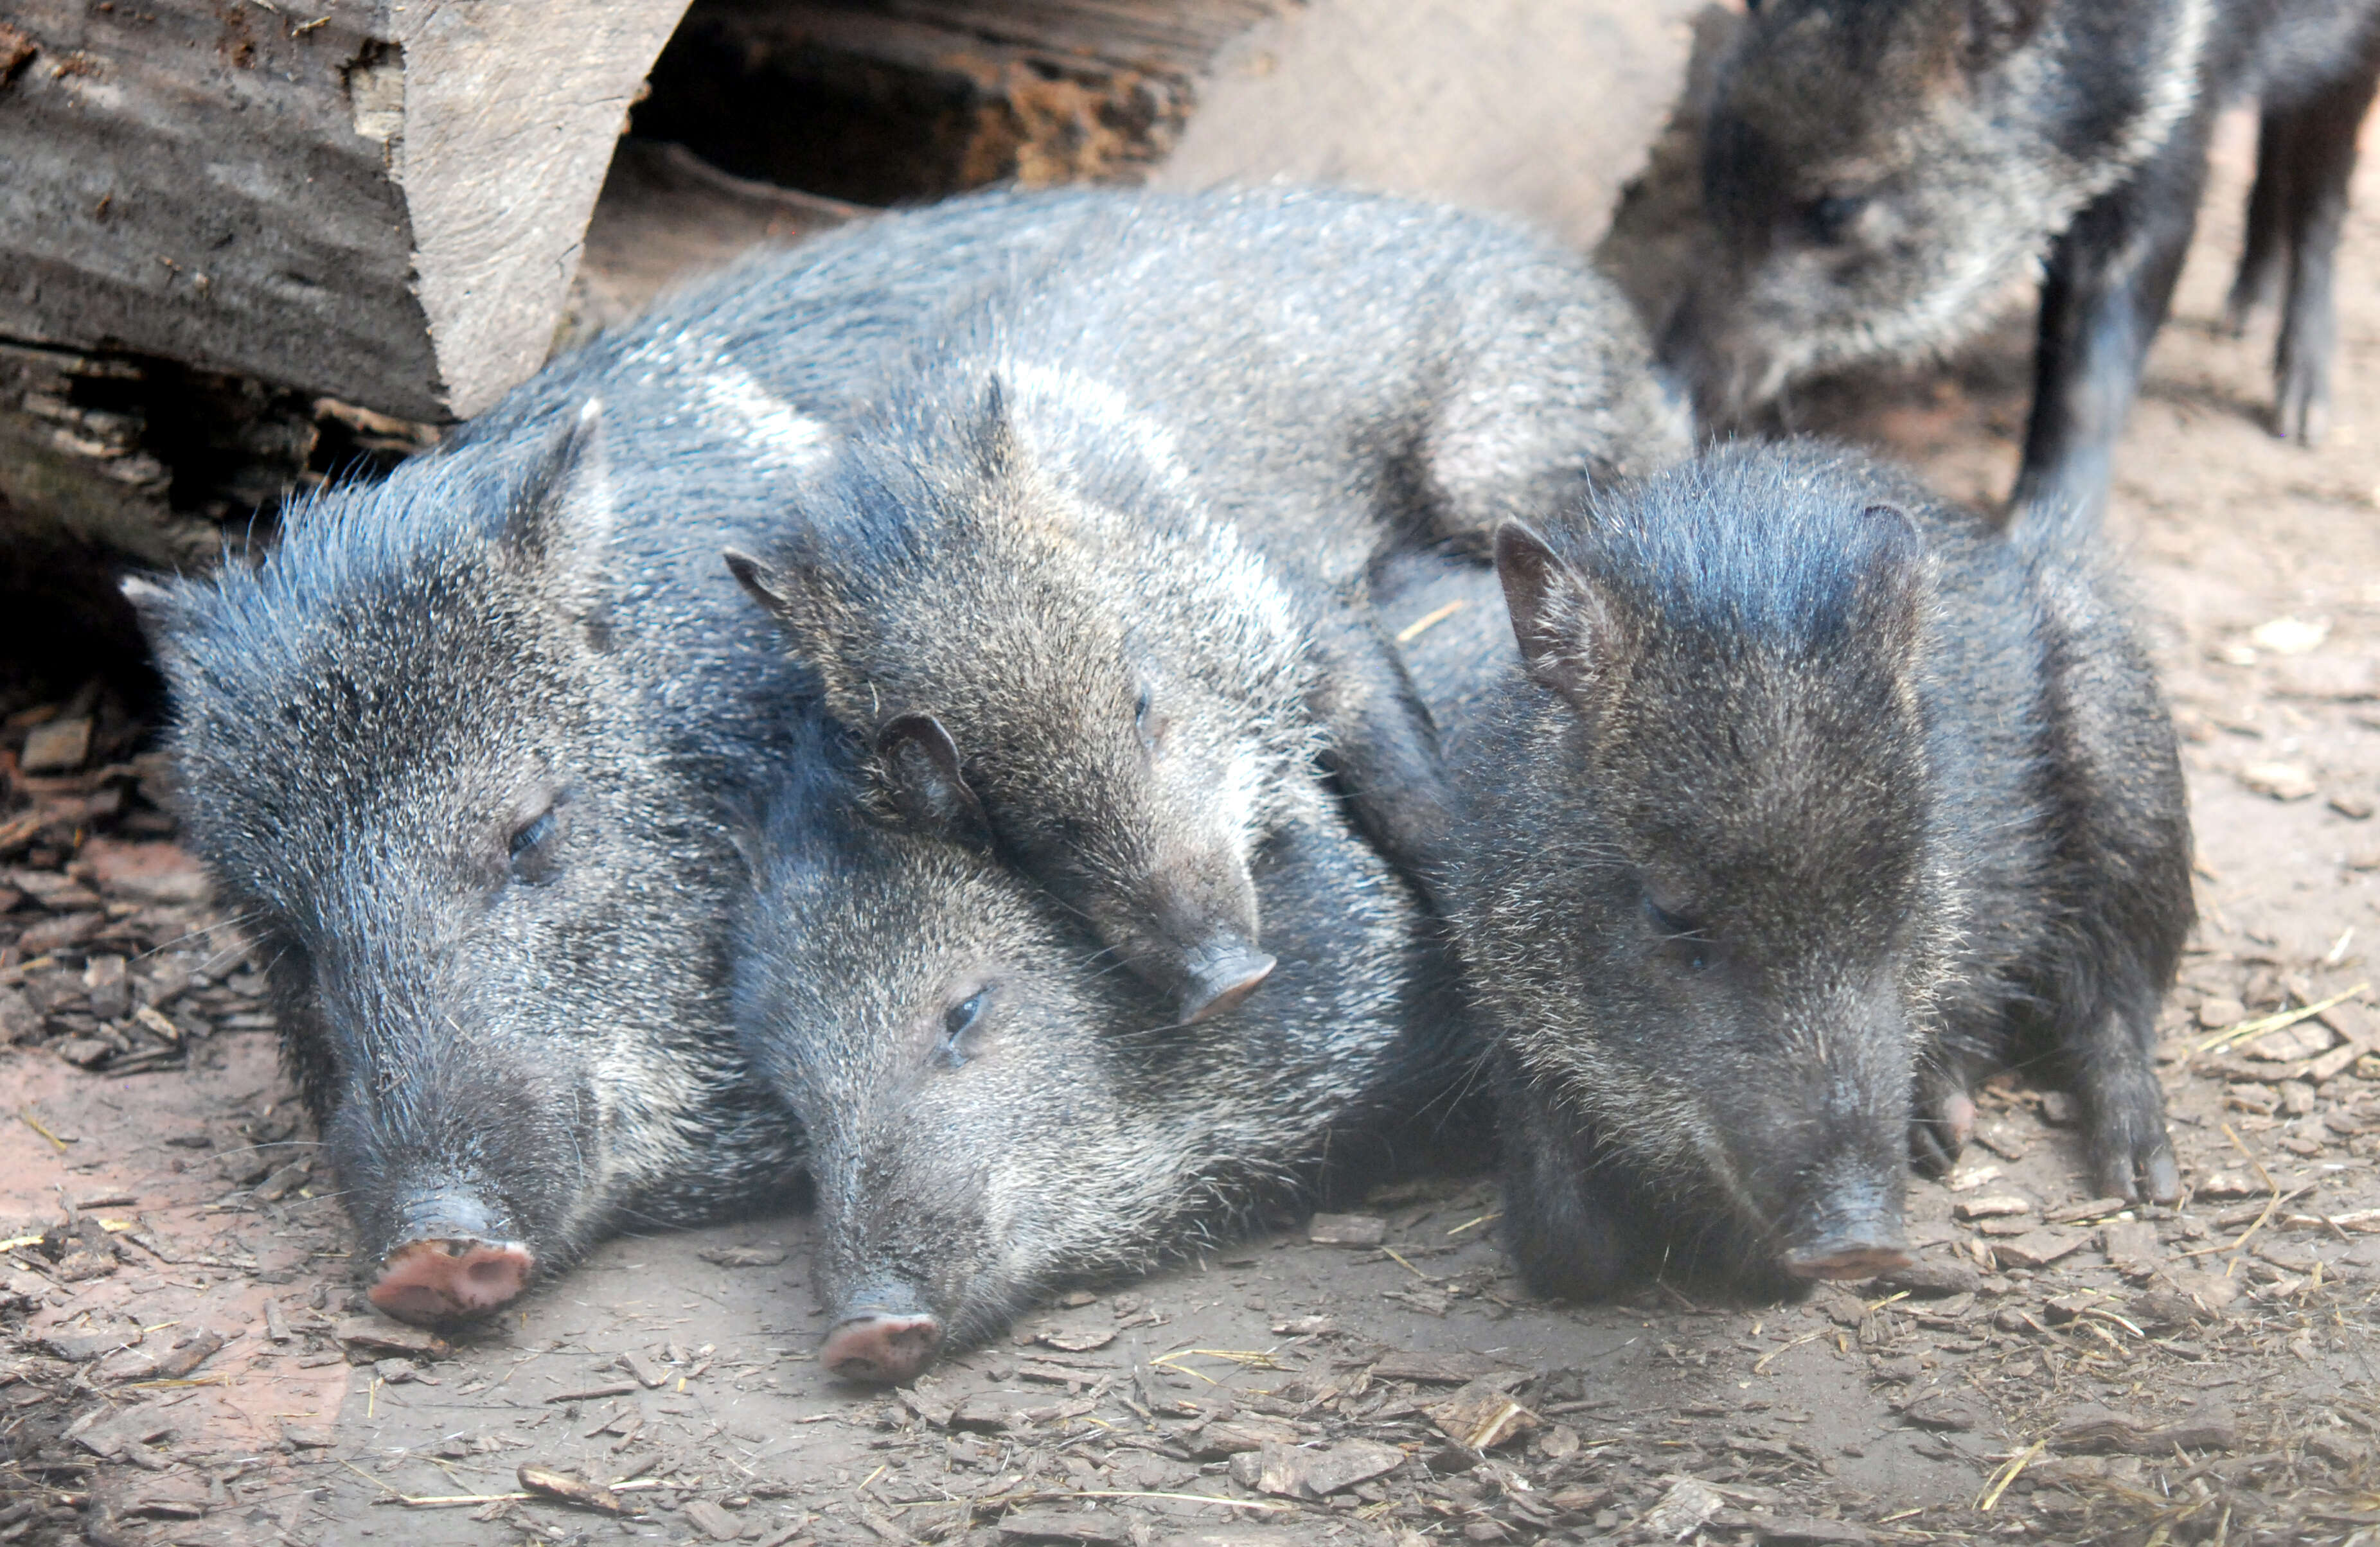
(380, 1335)
(2302, 1041)
(2037, 1250)
(593, 1394)
(2089, 1427)
(1434, 1368)
(1347, 1229)
(2280, 781)
(1481, 1418)
(1684, 1509)
(743, 1256)
(650, 1374)
(58, 747)
(2090, 1208)
(1094, 1526)
(1995, 1207)
(561, 1487)
(151, 1364)
(1288, 1471)
(1934, 1278)
(2131, 1246)
(1223, 1439)
(716, 1521)
(1074, 1338)
(1808, 1530)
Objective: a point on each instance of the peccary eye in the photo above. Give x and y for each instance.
(530, 834)
(1147, 720)
(1829, 219)
(957, 1022)
(534, 858)
(1682, 936)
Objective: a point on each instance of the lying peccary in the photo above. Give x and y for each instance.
(1816, 799)
(1875, 170)
(453, 751)
(993, 1113)
(1327, 377)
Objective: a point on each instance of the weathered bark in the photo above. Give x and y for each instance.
(382, 203)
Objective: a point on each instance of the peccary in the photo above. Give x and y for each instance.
(993, 1113)
(454, 751)
(1816, 799)
(1875, 170)
(1319, 379)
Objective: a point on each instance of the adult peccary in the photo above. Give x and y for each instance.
(454, 752)
(1816, 798)
(1877, 170)
(1017, 573)
(994, 1112)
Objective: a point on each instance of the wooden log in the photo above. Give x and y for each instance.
(382, 201)
(1538, 108)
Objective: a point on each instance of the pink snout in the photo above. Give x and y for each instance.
(450, 1280)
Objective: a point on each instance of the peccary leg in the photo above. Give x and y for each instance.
(1945, 1119)
(2321, 148)
(2114, 1074)
(1565, 1225)
(1384, 747)
(2259, 279)
(2109, 282)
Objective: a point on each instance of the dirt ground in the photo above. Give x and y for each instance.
(187, 1361)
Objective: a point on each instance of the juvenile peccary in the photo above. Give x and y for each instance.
(1875, 170)
(1020, 570)
(993, 1112)
(453, 753)
(1816, 798)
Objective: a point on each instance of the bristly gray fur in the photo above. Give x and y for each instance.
(1816, 798)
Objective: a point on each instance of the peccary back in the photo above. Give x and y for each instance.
(988, 576)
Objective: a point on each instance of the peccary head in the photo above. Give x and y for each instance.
(420, 776)
(1875, 171)
(994, 1112)
(1698, 910)
(1111, 704)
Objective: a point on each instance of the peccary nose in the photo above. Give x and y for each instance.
(1848, 1259)
(1848, 1222)
(885, 1337)
(449, 1267)
(1855, 1241)
(1223, 973)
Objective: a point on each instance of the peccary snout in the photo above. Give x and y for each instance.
(454, 1259)
(886, 1334)
(1851, 1226)
(1223, 973)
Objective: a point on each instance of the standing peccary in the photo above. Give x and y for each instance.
(1816, 799)
(1319, 378)
(454, 754)
(1875, 170)
(993, 1113)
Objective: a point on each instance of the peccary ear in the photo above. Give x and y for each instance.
(1997, 29)
(1565, 627)
(1889, 606)
(558, 534)
(163, 613)
(794, 593)
(997, 446)
(918, 762)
